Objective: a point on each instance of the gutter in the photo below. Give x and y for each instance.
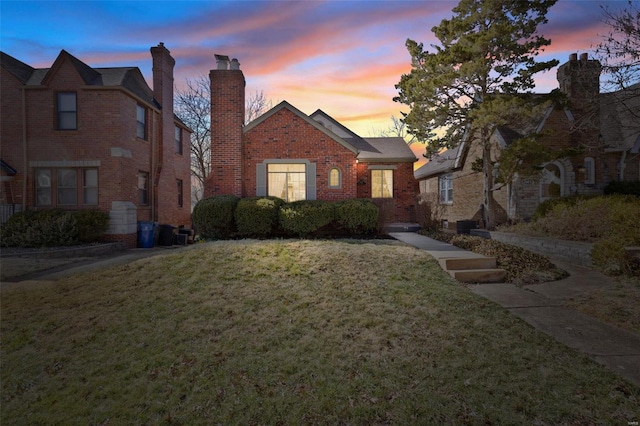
(24, 150)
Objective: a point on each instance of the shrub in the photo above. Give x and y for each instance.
(358, 216)
(623, 187)
(386, 208)
(92, 224)
(258, 215)
(46, 228)
(213, 216)
(303, 218)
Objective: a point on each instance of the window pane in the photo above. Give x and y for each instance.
(382, 183)
(66, 102)
(43, 187)
(67, 111)
(179, 185)
(178, 140)
(278, 185)
(143, 193)
(90, 186)
(334, 178)
(67, 187)
(287, 181)
(141, 128)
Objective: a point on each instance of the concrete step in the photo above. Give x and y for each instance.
(463, 263)
(479, 275)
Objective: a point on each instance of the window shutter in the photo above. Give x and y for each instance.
(311, 181)
(261, 180)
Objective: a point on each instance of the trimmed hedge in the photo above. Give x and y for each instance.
(53, 228)
(358, 216)
(257, 216)
(303, 218)
(213, 217)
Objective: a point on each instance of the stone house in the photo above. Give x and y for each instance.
(76, 137)
(603, 126)
(294, 156)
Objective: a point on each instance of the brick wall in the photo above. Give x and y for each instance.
(285, 135)
(105, 139)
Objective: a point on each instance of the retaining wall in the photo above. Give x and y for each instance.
(574, 252)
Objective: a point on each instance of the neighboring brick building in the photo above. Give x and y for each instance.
(76, 137)
(291, 155)
(602, 125)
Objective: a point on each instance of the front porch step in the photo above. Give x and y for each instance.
(478, 275)
(460, 263)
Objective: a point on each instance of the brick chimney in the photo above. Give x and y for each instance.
(579, 79)
(163, 65)
(227, 120)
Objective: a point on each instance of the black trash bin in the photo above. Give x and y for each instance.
(166, 235)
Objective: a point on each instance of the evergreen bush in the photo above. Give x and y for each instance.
(303, 218)
(358, 216)
(91, 224)
(257, 216)
(213, 217)
(45, 228)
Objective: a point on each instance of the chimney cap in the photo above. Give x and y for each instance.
(235, 65)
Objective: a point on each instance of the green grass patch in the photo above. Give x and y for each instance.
(287, 332)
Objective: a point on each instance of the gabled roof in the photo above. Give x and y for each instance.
(619, 128)
(286, 105)
(366, 149)
(444, 162)
(129, 78)
(382, 149)
(21, 71)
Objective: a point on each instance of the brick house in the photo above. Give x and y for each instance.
(602, 125)
(294, 156)
(76, 137)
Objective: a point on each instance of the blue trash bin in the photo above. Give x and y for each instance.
(146, 234)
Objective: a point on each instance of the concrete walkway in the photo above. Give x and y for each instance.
(542, 306)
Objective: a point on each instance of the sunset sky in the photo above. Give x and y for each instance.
(341, 56)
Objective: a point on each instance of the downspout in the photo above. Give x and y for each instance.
(24, 150)
(153, 179)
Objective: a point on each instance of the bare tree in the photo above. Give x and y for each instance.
(619, 50)
(398, 128)
(193, 106)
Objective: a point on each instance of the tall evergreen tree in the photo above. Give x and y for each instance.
(473, 81)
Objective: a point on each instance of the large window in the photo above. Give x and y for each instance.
(287, 181)
(178, 140)
(67, 108)
(382, 183)
(143, 188)
(66, 187)
(141, 122)
(446, 188)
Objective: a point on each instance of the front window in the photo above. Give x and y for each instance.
(67, 111)
(382, 183)
(141, 122)
(287, 181)
(180, 193)
(446, 188)
(143, 188)
(178, 140)
(66, 187)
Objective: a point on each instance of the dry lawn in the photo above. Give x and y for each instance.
(288, 332)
